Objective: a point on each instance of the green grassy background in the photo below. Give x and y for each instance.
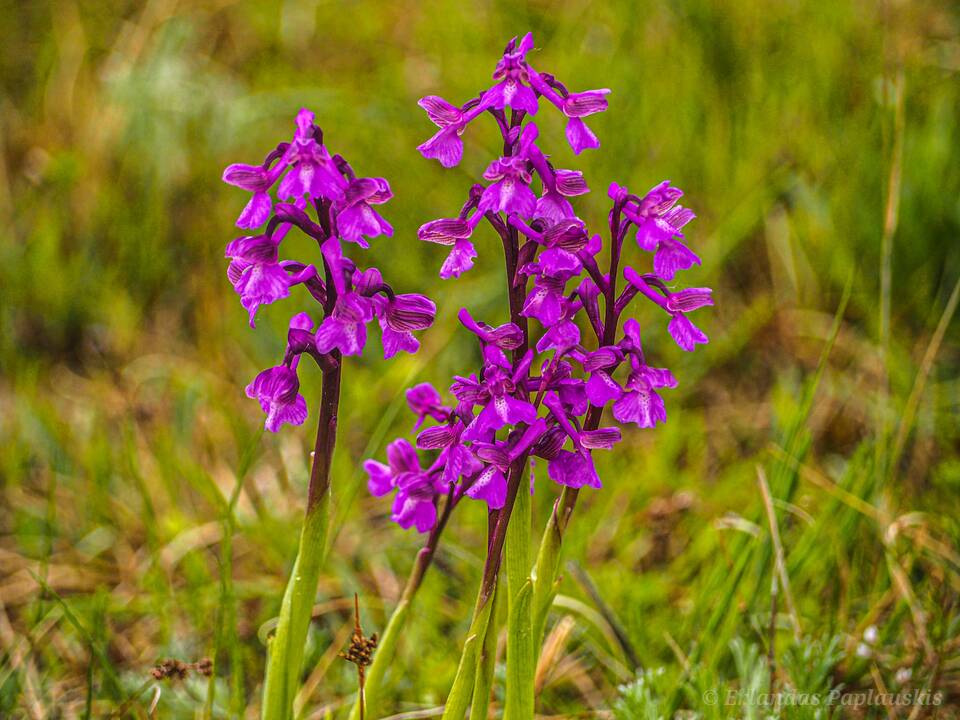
(124, 352)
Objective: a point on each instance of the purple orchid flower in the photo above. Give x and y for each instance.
(445, 145)
(356, 218)
(425, 401)
(685, 333)
(414, 504)
(257, 180)
(312, 170)
(575, 106)
(490, 484)
(278, 391)
(315, 180)
(510, 192)
(496, 394)
(574, 468)
(638, 402)
(257, 274)
(659, 222)
(505, 337)
(399, 316)
(551, 273)
(504, 412)
(517, 89)
(512, 72)
(455, 233)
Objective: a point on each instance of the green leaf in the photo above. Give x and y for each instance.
(463, 683)
(521, 666)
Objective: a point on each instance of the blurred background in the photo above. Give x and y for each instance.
(818, 143)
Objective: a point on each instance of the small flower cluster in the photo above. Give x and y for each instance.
(541, 396)
(519, 88)
(309, 179)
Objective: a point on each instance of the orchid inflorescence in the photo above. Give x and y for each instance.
(540, 395)
(309, 179)
(570, 348)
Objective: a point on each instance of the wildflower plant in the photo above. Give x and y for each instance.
(317, 194)
(567, 347)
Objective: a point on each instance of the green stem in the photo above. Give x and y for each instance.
(520, 655)
(465, 680)
(285, 660)
(486, 663)
(286, 649)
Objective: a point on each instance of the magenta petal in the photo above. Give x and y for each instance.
(436, 437)
(459, 260)
(602, 439)
(561, 336)
(658, 377)
(672, 256)
(445, 231)
(571, 183)
(601, 389)
(689, 299)
(441, 113)
(509, 195)
(294, 413)
(251, 178)
(410, 311)
(581, 104)
(685, 333)
(499, 95)
(262, 285)
(256, 212)
(411, 511)
(402, 457)
(396, 340)
(573, 469)
(445, 146)
(580, 136)
(642, 406)
(553, 207)
(524, 99)
(512, 410)
(380, 479)
(491, 487)
(544, 304)
(361, 220)
(347, 336)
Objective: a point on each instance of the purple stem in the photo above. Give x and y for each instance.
(329, 395)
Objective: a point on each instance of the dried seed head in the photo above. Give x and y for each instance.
(171, 669)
